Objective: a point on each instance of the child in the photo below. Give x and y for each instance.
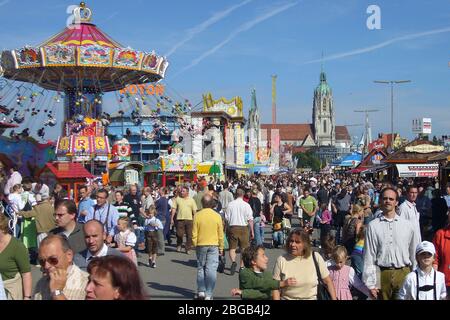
(351, 227)
(424, 283)
(125, 239)
(324, 220)
(327, 245)
(254, 281)
(152, 225)
(343, 276)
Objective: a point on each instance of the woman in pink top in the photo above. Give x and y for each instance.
(325, 221)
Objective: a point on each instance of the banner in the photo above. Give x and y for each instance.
(417, 170)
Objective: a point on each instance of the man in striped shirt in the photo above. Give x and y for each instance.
(124, 208)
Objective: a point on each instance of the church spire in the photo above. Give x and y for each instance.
(253, 105)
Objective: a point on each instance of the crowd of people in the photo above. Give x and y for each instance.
(345, 237)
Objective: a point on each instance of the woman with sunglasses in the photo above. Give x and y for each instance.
(15, 268)
(114, 278)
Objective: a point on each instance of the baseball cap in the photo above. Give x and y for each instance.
(425, 246)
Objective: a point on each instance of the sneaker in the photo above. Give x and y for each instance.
(150, 262)
(200, 296)
(154, 265)
(178, 249)
(233, 268)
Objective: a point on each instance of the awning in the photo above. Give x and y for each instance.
(357, 170)
(375, 169)
(418, 170)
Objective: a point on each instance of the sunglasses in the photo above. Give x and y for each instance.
(51, 260)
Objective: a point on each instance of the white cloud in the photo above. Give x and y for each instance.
(380, 45)
(205, 25)
(245, 27)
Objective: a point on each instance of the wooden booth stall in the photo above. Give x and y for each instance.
(71, 175)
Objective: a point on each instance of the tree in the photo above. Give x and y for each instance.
(308, 160)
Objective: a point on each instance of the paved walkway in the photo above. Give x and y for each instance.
(174, 278)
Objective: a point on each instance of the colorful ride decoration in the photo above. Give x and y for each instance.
(178, 162)
(82, 148)
(121, 150)
(88, 53)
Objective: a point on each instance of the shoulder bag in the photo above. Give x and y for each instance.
(322, 292)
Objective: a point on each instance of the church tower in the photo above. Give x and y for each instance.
(323, 114)
(253, 128)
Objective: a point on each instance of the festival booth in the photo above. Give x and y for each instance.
(372, 162)
(70, 175)
(414, 161)
(210, 169)
(125, 173)
(443, 159)
(121, 170)
(170, 170)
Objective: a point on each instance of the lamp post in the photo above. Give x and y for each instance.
(391, 82)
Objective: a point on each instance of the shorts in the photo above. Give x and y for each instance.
(151, 238)
(238, 236)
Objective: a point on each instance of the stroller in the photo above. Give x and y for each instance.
(280, 231)
(13, 223)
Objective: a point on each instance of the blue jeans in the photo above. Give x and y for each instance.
(278, 237)
(357, 264)
(207, 263)
(259, 231)
(140, 235)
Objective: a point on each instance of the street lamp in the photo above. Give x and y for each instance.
(391, 82)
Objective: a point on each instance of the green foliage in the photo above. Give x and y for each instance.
(308, 160)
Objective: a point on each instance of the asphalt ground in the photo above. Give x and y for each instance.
(174, 277)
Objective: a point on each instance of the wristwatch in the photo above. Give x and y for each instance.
(57, 292)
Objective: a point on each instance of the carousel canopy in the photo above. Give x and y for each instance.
(82, 57)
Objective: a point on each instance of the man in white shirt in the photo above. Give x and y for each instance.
(407, 210)
(390, 245)
(95, 236)
(238, 216)
(225, 196)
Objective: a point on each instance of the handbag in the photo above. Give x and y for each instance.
(322, 292)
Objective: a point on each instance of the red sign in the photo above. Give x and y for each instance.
(377, 145)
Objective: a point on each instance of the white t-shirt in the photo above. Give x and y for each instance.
(238, 213)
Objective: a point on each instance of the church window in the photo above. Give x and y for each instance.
(325, 126)
(324, 105)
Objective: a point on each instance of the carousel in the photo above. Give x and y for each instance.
(73, 71)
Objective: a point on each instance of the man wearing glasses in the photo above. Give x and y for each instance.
(390, 245)
(62, 280)
(104, 212)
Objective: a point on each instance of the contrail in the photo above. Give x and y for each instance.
(380, 45)
(206, 24)
(246, 26)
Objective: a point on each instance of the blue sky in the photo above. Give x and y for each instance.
(229, 47)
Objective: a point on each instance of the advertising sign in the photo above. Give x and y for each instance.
(421, 126)
(418, 170)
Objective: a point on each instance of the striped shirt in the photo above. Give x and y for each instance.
(74, 289)
(125, 210)
(359, 247)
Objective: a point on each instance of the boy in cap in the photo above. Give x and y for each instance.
(424, 283)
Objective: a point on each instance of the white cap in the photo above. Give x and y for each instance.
(425, 246)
